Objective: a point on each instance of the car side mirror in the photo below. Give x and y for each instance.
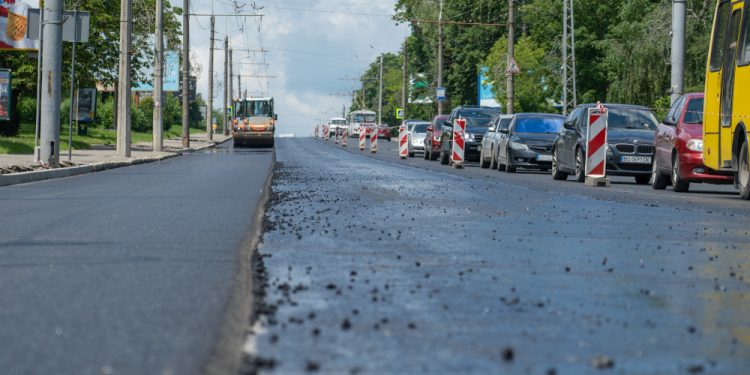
(491, 129)
(569, 125)
(669, 121)
(429, 128)
(448, 124)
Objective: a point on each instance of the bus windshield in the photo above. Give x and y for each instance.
(359, 117)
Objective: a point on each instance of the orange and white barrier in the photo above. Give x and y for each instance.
(326, 134)
(457, 152)
(362, 138)
(596, 143)
(403, 142)
(374, 140)
(338, 133)
(345, 138)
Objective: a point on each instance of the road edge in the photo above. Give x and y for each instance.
(227, 354)
(11, 179)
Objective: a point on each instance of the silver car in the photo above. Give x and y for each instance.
(492, 139)
(416, 133)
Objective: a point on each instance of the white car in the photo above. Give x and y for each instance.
(335, 124)
(416, 134)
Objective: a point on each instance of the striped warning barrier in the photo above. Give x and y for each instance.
(345, 138)
(362, 138)
(596, 143)
(457, 152)
(403, 142)
(374, 140)
(326, 134)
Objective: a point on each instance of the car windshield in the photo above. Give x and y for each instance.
(694, 113)
(420, 128)
(549, 125)
(338, 122)
(479, 118)
(627, 118)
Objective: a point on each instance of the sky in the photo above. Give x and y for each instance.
(315, 48)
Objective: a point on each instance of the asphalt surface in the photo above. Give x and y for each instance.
(377, 265)
(127, 271)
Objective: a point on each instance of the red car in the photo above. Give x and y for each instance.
(678, 159)
(432, 138)
(383, 132)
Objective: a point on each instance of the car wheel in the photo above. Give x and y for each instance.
(434, 156)
(509, 168)
(444, 159)
(678, 184)
(556, 173)
(743, 174)
(426, 155)
(658, 180)
(642, 180)
(411, 154)
(484, 164)
(580, 165)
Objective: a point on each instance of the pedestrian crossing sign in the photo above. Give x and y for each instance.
(399, 113)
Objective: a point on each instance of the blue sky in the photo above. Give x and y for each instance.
(312, 45)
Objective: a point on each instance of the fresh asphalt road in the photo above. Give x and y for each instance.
(377, 265)
(127, 271)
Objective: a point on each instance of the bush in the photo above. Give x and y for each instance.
(27, 109)
(138, 121)
(105, 114)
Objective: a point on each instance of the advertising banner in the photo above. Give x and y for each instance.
(86, 105)
(5, 94)
(486, 93)
(14, 23)
(171, 74)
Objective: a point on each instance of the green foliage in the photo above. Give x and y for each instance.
(105, 114)
(27, 109)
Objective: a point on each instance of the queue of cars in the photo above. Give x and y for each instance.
(638, 146)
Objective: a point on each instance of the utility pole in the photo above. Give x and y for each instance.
(226, 85)
(52, 83)
(123, 86)
(678, 49)
(239, 86)
(158, 126)
(231, 82)
(210, 112)
(440, 56)
(72, 89)
(380, 92)
(403, 84)
(511, 58)
(570, 95)
(186, 73)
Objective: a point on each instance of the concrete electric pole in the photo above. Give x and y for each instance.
(569, 90)
(52, 83)
(230, 83)
(210, 111)
(186, 73)
(380, 92)
(123, 86)
(404, 82)
(440, 56)
(226, 85)
(678, 49)
(158, 126)
(511, 59)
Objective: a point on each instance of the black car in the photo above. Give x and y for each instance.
(527, 142)
(630, 143)
(478, 120)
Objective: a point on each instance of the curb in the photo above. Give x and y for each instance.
(49, 174)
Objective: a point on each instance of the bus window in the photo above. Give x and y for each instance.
(727, 85)
(744, 58)
(719, 42)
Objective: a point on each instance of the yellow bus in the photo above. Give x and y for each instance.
(727, 94)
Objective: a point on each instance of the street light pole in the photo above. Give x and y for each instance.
(403, 84)
(158, 78)
(440, 56)
(380, 93)
(186, 73)
(511, 58)
(123, 86)
(210, 111)
(51, 84)
(226, 85)
(678, 49)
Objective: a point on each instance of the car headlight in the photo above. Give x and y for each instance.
(518, 146)
(695, 145)
(609, 150)
(470, 137)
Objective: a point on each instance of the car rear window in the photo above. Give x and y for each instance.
(420, 128)
(538, 125)
(694, 113)
(627, 118)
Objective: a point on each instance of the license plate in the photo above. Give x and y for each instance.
(636, 159)
(544, 157)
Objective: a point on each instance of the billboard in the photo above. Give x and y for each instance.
(171, 74)
(14, 23)
(86, 105)
(5, 94)
(486, 92)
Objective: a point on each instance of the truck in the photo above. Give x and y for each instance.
(254, 122)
